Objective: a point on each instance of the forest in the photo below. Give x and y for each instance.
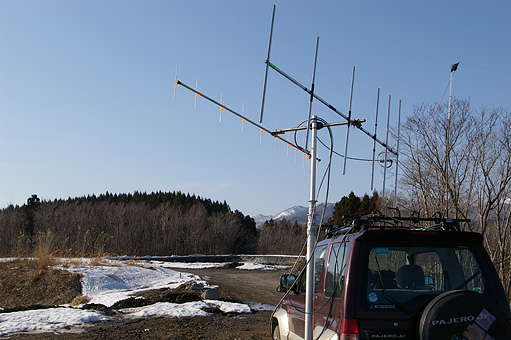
(139, 224)
(161, 223)
(126, 224)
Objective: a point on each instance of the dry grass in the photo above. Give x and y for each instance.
(23, 284)
(79, 300)
(43, 249)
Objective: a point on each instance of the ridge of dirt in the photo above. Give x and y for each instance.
(23, 285)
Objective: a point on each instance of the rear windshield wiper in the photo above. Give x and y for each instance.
(464, 283)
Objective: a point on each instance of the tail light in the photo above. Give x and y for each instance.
(349, 329)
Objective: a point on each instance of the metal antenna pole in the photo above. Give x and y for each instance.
(374, 139)
(386, 151)
(397, 152)
(267, 63)
(454, 67)
(349, 122)
(447, 151)
(312, 93)
(312, 230)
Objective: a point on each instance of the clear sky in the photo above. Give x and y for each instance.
(86, 90)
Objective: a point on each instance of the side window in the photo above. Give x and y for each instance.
(337, 266)
(319, 262)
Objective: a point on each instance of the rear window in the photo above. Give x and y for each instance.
(405, 273)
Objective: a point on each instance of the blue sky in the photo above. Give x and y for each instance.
(86, 90)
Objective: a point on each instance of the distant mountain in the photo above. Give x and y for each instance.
(296, 213)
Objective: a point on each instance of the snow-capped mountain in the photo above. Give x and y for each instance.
(296, 213)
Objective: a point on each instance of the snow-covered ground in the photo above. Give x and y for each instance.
(111, 281)
(207, 265)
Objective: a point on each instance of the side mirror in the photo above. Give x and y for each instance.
(428, 281)
(286, 282)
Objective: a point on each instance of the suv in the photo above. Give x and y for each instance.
(380, 280)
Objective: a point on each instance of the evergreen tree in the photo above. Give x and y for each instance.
(352, 206)
(30, 209)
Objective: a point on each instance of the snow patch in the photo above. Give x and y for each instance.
(47, 319)
(107, 285)
(230, 307)
(173, 309)
(258, 266)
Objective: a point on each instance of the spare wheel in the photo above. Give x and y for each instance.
(463, 314)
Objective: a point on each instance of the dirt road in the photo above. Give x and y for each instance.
(243, 285)
(235, 285)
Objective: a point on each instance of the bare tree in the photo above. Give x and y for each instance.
(468, 177)
(429, 183)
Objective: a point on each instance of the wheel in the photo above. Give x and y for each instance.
(463, 315)
(276, 333)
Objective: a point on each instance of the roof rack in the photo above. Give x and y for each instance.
(377, 220)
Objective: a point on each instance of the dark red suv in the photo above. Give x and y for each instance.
(379, 281)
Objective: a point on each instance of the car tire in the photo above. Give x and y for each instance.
(463, 314)
(276, 333)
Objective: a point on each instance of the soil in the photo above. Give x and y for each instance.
(234, 285)
(23, 285)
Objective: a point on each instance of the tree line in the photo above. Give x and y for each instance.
(138, 224)
(134, 224)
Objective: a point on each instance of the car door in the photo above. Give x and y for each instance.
(295, 304)
(328, 303)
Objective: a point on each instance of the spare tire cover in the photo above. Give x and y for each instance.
(463, 315)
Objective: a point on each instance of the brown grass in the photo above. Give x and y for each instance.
(79, 300)
(43, 249)
(24, 283)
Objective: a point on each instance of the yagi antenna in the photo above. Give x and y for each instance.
(267, 62)
(314, 123)
(244, 118)
(331, 107)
